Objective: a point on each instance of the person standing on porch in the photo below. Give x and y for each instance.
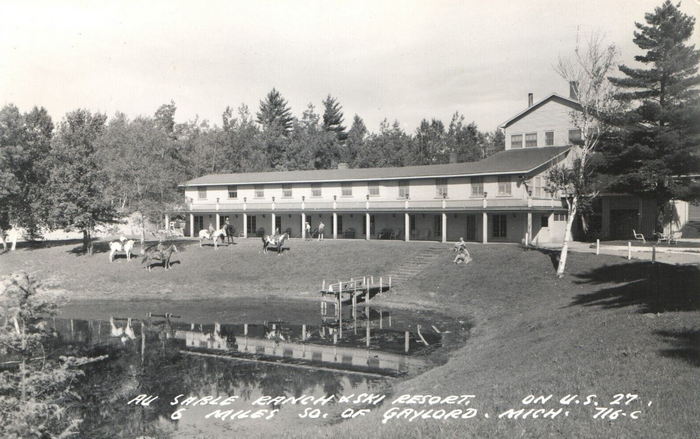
(321, 226)
(308, 231)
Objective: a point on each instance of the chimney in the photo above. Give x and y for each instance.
(529, 100)
(573, 90)
(342, 165)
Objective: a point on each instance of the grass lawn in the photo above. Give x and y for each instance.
(611, 326)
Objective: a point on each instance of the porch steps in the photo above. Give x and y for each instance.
(405, 272)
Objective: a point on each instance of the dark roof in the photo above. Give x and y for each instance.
(553, 97)
(514, 161)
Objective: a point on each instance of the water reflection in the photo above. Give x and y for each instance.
(166, 356)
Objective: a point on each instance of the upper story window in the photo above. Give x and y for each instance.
(441, 187)
(403, 189)
(202, 193)
(539, 187)
(530, 140)
(233, 192)
(315, 189)
(259, 191)
(549, 138)
(477, 186)
(287, 190)
(516, 141)
(574, 136)
(373, 188)
(504, 185)
(346, 189)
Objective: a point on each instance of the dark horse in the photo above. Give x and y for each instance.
(230, 233)
(161, 253)
(275, 242)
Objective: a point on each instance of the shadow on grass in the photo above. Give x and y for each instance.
(552, 254)
(652, 287)
(99, 246)
(686, 345)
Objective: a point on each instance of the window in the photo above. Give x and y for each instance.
(403, 189)
(259, 191)
(499, 225)
(549, 138)
(233, 192)
(477, 186)
(544, 221)
(202, 193)
(504, 185)
(574, 136)
(373, 189)
(441, 187)
(530, 140)
(316, 189)
(516, 141)
(539, 187)
(287, 190)
(346, 189)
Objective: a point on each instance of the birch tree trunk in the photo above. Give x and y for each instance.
(573, 205)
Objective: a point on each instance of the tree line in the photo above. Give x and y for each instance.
(89, 169)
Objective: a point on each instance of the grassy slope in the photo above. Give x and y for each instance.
(595, 331)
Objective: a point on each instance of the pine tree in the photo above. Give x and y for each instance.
(333, 118)
(659, 139)
(274, 113)
(355, 141)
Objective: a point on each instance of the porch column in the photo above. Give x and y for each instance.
(272, 218)
(367, 224)
(529, 227)
(335, 225)
(484, 227)
(406, 227)
(192, 225)
(167, 222)
(245, 225)
(218, 221)
(444, 227)
(303, 225)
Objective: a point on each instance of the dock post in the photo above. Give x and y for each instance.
(597, 247)
(303, 332)
(653, 254)
(354, 305)
(381, 289)
(340, 315)
(629, 250)
(323, 285)
(335, 338)
(245, 329)
(368, 334)
(389, 282)
(407, 341)
(381, 326)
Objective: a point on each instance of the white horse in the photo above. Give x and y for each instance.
(215, 235)
(275, 242)
(123, 245)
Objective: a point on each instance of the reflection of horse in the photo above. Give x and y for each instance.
(123, 245)
(275, 242)
(159, 252)
(215, 235)
(125, 333)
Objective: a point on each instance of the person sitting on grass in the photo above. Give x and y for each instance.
(463, 256)
(459, 245)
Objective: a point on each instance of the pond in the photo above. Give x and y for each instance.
(247, 348)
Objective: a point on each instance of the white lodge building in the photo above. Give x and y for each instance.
(499, 199)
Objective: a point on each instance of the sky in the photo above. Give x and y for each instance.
(395, 59)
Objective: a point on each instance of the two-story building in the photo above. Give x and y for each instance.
(502, 198)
